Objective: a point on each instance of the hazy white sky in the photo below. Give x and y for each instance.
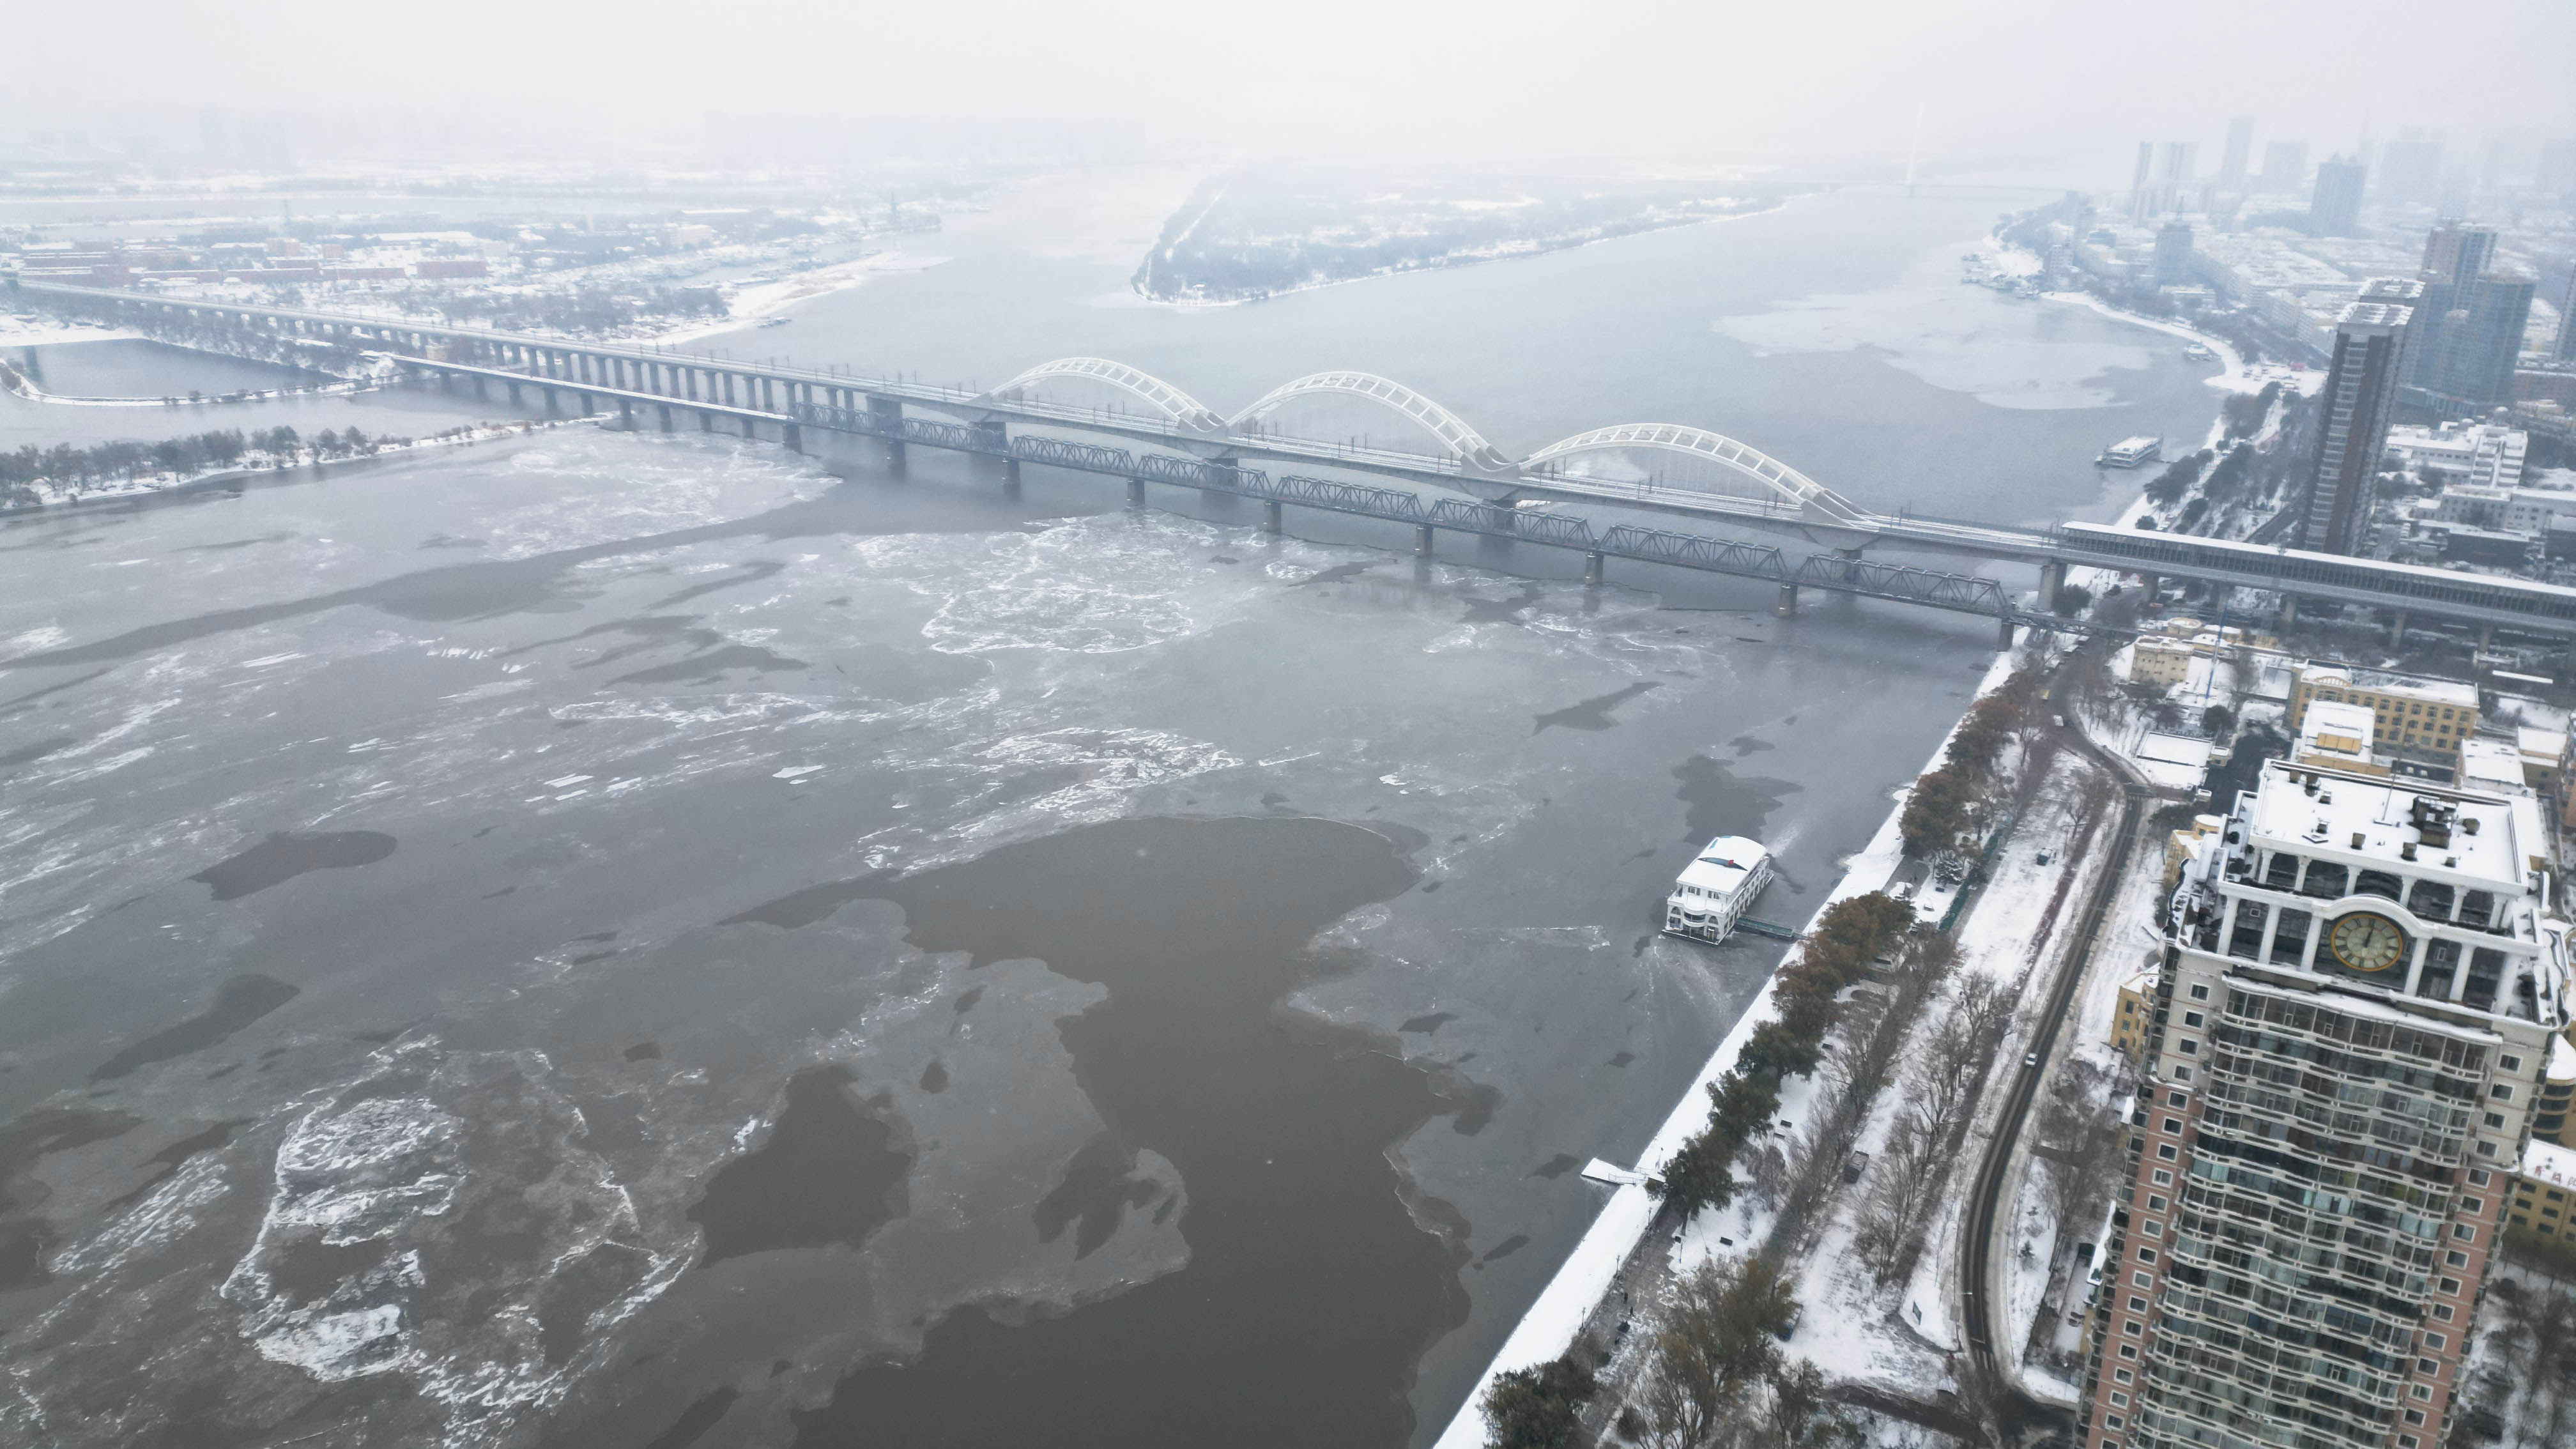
(2031, 78)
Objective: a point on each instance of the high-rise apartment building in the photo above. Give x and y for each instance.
(2455, 250)
(2240, 150)
(2566, 349)
(2139, 197)
(2361, 387)
(2334, 209)
(2350, 1033)
(2285, 167)
(2468, 338)
(2173, 254)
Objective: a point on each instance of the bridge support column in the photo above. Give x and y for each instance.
(2148, 584)
(1010, 477)
(665, 410)
(1787, 608)
(2486, 636)
(480, 391)
(2289, 610)
(1592, 569)
(2397, 631)
(1422, 540)
(514, 393)
(885, 416)
(1270, 511)
(1135, 492)
(2004, 633)
(551, 409)
(792, 436)
(747, 429)
(2052, 582)
(706, 421)
(626, 414)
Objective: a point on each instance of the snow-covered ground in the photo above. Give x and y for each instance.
(42, 333)
(51, 495)
(766, 299)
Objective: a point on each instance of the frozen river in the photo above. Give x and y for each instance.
(615, 940)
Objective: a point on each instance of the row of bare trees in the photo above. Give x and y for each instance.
(1951, 1058)
(1718, 1379)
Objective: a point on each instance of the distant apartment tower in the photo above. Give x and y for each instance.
(2361, 386)
(2334, 209)
(2240, 149)
(2410, 170)
(2469, 331)
(2173, 178)
(2138, 197)
(2347, 1041)
(2173, 254)
(2285, 167)
(2567, 321)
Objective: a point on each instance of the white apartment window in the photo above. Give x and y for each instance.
(2442, 1311)
(2190, 1048)
(2137, 1304)
(2473, 1205)
(2452, 1286)
(2181, 1073)
(2415, 1416)
(2154, 1230)
(2119, 1399)
(2120, 1376)
(2421, 1391)
(2486, 1148)
(2456, 1258)
(2408, 1441)
(2143, 1280)
(2437, 1340)
(2163, 1178)
(2155, 1204)
(2111, 1421)
(2131, 1328)
(2427, 1366)
(2167, 1152)
(2129, 1350)
(2173, 1124)
(2464, 1232)
(2146, 1255)
(2200, 993)
(2173, 1099)
(2510, 1063)
(2477, 1177)
(2192, 1018)
(2500, 1092)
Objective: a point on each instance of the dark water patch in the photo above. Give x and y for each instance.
(1432, 885)
(1505, 1248)
(1223, 558)
(284, 855)
(1557, 1166)
(226, 1070)
(1746, 744)
(1501, 611)
(796, 910)
(1280, 1128)
(1428, 1024)
(577, 1290)
(379, 1038)
(312, 1267)
(934, 1078)
(229, 545)
(1721, 803)
(586, 957)
(29, 754)
(830, 1172)
(1621, 1059)
(441, 540)
(240, 1001)
(701, 1415)
(644, 1051)
(503, 891)
(1334, 575)
(26, 1238)
(967, 998)
(780, 1367)
(24, 700)
(1478, 1102)
(1101, 1186)
(750, 572)
(713, 665)
(1591, 714)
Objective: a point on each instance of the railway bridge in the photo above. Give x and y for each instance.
(1153, 432)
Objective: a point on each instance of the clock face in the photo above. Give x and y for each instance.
(2366, 942)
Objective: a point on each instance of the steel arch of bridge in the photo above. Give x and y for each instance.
(1746, 462)
(1173, 403)
(1456, 438)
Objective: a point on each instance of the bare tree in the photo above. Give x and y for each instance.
(1719, 1339)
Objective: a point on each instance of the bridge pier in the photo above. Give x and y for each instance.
(2397, 631)
(1010, 477)
(885, 417)
(2004, 632)
(1422, 540)
(1271, 508)
(626, 414)
(2052, 582)
(747, 428)
(2486, 636)
(665, 410)
(551, 409)
(792, 436)
(2289, 610)
(514, 393)
(706, 421)
(1787, 608)
(480, 391)
(1135, 492)
(1592, 569)
(2148, 584)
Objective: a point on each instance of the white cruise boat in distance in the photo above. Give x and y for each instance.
(2132, 453)
(1715, 889)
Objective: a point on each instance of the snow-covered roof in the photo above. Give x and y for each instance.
(2548, 744)
(2339, 676)
(2546, 1161)
(2334, 734)
(2371, 821)
(2490, 764)
(2562, 1059)
(1724, 864)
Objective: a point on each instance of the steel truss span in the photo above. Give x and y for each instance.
(1456, 438)
(1766, 474)
(1173, 403)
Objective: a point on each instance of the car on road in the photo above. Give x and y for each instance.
(2031, 1062)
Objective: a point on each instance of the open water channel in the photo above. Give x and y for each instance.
(628, 940)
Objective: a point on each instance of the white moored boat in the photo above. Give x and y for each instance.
(1716, 888)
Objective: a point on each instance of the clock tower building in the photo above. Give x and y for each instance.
(2362, 978)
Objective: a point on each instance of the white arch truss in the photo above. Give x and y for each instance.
(1173, 403)
(1783, 482)
(1460, 440)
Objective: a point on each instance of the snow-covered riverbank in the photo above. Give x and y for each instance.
(261, 464)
